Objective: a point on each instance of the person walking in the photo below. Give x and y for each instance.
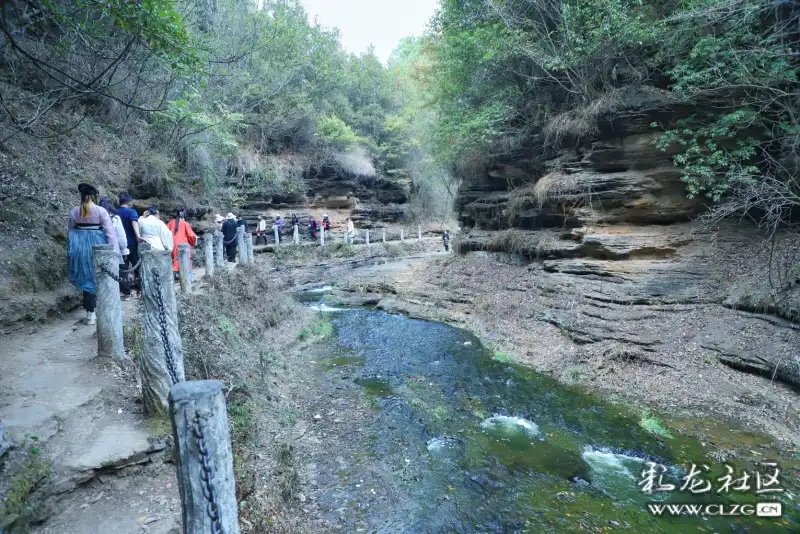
(229, 228)
(87, 225)
(218, 220)
(313, 227)
(122, 239)
(295, 220)
(261, 229)
(351, 230)
(279, 224)
(326, 223)
(446, 240)
(181, 233)
(130, 222)
(154, 231)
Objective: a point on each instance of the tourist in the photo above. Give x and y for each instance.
(154, 231)
(218, 220)
(295, 220)
(261, 229)
(446, 240)
(130, 222)
(229, 229)
(326, 223)
(351, 230)
(278, 225)
(122, 240)
(313, 229)
(87, 225)
(181, 233)
(241, 222)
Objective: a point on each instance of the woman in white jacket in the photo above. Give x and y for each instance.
(122, 239)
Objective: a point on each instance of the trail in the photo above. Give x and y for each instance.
(84, 412)
(108, 474)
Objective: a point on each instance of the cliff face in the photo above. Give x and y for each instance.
(606, 225)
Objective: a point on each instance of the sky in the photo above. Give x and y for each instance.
(380, 22)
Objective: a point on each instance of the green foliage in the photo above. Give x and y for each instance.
(14, 507)
(321, 328)
(334, 132)
(654, 426)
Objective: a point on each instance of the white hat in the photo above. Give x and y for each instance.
(217, 217)
(230, 216)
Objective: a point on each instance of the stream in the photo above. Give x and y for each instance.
(434, 432)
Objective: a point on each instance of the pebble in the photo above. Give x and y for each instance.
(317, 417)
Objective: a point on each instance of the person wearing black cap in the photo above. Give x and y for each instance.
(87, 225)
(130, 222)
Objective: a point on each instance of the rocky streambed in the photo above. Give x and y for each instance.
(421, 428)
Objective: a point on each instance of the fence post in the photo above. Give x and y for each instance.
(161, 364)
(296, 236)
(109, 308)
(384, 235)
(419, 232)
(204, 459)
(322, 238)
(276, 231)
(219, 251)
(248, 242)
(240, 245)
(402, 237)
(208, 248)
(184, 271)
(366, 237)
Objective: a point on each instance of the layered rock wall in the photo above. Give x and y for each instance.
(606, 220)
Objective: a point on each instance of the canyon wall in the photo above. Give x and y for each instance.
(610, 235)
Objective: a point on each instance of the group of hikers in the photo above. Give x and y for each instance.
(98, 221)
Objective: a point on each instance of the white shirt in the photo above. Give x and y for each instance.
(154, 231)
(350, 227)
(122, 239)
(262, 225)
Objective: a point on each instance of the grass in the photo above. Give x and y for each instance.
(654, 426)
(321, 328)
(15, 506)
(159, 426)
(502, 357)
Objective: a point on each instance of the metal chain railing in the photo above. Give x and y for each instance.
(126, 272)
(162, 323)
(206, 469)
(207, 475)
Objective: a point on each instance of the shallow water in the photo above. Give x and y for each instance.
(458, 442)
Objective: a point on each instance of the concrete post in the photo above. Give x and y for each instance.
(366, 237)
(240, 246)
(219, 250)
(296, 236)
(402, 237)
(185, 272)
(109, 308)
(384, 235)
(248, 242)
(322, 237)
(208, 248)
(161, 364)
(419, 232)
(204, 458)
(277, 232)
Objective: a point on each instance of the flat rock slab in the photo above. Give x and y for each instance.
(113, 446)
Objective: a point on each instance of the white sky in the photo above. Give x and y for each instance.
(380, 22)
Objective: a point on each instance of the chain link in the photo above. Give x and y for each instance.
(162, 323)
(207, 475)
(123, 270)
